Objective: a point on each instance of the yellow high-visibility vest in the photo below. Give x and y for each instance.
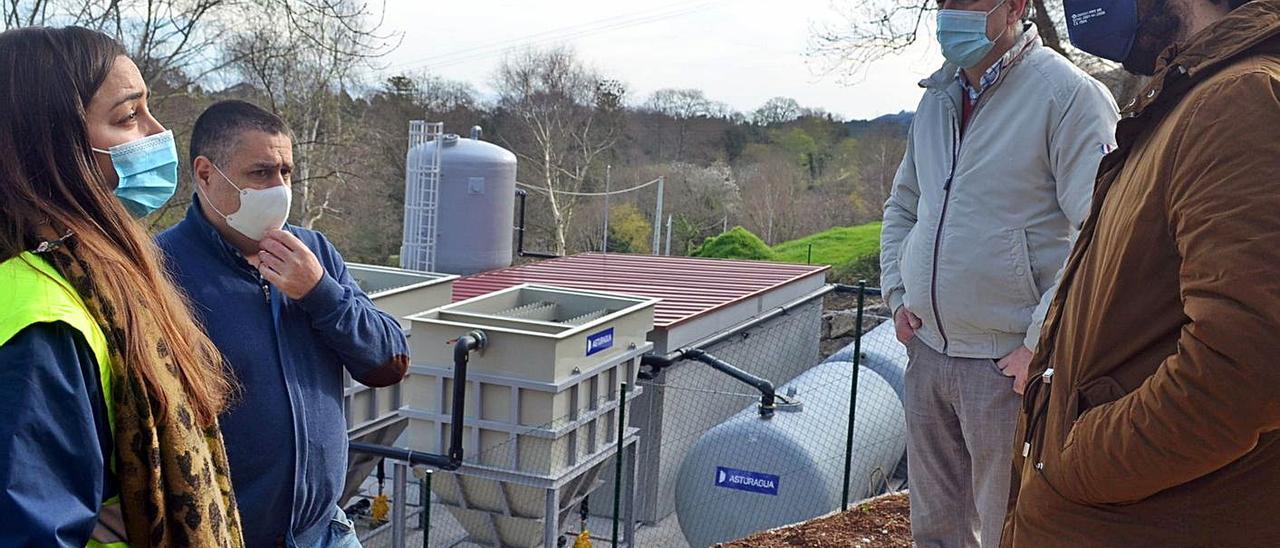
(33, 292)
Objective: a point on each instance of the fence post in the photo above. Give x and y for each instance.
(426, 511)
(853, 394)
(617, 470)
(400, 473)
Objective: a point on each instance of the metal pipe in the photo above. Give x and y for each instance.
(608, 179)
(768, 397)
(520, 230)
(669, 219)
(657, 219)
(406, 455)
(869, 291)
(657, 363)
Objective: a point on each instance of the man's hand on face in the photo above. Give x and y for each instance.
(906, 324)
(1015, 365)
(288, 264)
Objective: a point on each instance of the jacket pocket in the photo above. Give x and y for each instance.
(1023, 276)
(1090, 395)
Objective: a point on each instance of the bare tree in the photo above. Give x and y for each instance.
(681, 107)
(864, 32)
(775, 186)
(168, 39)
(778, 110)
(880, 152)
(304, 66)
(563, 118)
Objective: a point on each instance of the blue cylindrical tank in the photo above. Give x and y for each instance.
(752, 473)
(475, 212)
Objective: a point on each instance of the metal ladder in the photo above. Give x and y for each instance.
(421, 197)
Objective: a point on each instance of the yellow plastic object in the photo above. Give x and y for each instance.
(380, 508)
(583, 541)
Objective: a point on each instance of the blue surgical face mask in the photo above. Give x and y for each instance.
(1106, 28)
(963, 35)
(148, 172)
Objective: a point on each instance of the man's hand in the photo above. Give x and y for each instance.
(288, 264)
(906, 324)
(1015, 365)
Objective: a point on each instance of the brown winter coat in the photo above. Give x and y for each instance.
(1160, 422)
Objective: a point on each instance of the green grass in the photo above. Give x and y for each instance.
(834, 247)
(853, 252)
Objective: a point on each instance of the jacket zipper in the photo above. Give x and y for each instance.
(937, 239)
(299, 429)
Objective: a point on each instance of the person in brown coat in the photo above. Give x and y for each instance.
(1153, 415)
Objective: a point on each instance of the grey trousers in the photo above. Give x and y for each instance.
(961, 417)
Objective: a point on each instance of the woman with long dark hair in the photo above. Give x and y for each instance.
(109, 390)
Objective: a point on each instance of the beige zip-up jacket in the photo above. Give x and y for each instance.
(979, 225)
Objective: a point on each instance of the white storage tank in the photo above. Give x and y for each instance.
(751, 473)
(459, 205)
(373, 414)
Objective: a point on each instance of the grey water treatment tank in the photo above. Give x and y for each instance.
(751, 473)
(882, 353)
(475, 206)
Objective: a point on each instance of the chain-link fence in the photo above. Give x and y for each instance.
(767, 426)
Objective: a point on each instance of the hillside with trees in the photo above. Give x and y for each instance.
(782, 171)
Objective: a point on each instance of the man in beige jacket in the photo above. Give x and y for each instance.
(997, 179)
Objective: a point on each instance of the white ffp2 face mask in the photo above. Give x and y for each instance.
(260, 210)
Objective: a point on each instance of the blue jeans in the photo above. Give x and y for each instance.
(340, 534)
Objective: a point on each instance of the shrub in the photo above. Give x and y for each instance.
(738, 243)
(866, 267)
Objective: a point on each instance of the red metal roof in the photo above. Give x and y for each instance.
(688, 287)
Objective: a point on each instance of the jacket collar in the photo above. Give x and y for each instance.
(208, 236)
(1254, 24)
(1028, 40)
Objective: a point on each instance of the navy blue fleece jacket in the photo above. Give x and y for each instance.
(285, 434)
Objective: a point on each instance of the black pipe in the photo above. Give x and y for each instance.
(462, 348)
(404, 455)
(768, 398)
(520, 229)
(475, 340)
(867, 291)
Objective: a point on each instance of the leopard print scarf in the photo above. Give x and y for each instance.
(175, 483)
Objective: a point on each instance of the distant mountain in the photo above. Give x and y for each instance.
(898, 123)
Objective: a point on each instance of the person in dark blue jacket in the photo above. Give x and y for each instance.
(278, 302)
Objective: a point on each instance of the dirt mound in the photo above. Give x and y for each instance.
(880, 522)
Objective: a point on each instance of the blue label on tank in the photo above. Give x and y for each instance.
(744, 480)
(600, 341)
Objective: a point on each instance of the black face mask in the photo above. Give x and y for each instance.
(1158, 28)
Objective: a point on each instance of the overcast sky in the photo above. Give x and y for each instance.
(741, 52)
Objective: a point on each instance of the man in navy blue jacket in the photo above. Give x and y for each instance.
(279, 303)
